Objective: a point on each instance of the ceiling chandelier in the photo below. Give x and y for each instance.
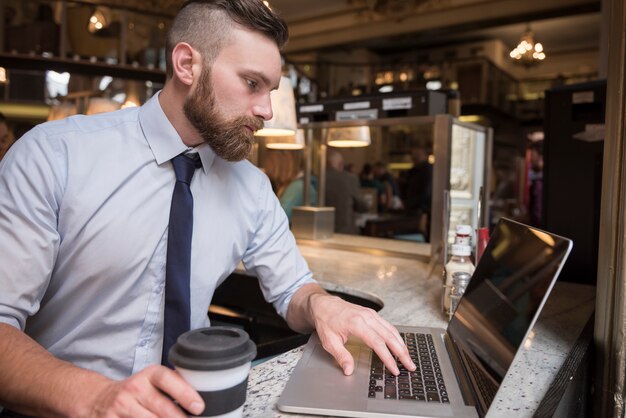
(528, 52)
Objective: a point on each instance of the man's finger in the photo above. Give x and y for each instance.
(390, 328)
(391, 337)
(404, 357)
(137, 410)
(378, 337)
(336, 349)
(396, 344)
(176, 387)
(160, 405)
(377, 343)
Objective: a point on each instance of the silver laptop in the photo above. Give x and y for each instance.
(459, 369)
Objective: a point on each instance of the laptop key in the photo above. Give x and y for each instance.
(371, 394)
(432, 397)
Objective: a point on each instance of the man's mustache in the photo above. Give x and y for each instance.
(256, 124)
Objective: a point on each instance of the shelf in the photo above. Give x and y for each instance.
(32, 62)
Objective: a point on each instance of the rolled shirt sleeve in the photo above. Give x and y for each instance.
(273, 255)
(31, 186)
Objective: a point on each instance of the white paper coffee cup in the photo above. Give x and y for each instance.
(216, 362)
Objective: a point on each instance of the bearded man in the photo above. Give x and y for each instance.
(86, 231)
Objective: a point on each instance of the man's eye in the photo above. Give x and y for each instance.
(252, 84)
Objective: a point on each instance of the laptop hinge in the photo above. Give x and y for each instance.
(469, 394)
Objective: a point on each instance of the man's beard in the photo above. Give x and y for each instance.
(230, 140)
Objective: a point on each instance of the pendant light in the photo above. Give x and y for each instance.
(351, 137)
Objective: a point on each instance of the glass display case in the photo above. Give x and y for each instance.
(469, 149)
(459, 154)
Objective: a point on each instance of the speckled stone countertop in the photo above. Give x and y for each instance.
(411, 298)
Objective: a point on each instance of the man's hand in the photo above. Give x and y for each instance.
(147, 394)
(335, 320)
(35, 383)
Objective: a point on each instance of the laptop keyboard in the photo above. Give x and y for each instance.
(486, 387)
(424, 384)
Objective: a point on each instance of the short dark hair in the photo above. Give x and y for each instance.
(2, 118)
(206, 24)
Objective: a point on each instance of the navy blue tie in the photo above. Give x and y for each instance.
(178, 266)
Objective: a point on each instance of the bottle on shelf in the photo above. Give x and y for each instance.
(463, 235)
(460, 280)
(459, 262)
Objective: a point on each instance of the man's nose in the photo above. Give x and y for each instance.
(263, 108)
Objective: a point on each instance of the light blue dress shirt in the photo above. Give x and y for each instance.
(84, 207)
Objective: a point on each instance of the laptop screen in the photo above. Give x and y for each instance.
(506, 291)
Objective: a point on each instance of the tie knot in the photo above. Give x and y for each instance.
(185, 166)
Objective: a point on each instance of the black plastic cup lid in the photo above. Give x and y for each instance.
(213, 348)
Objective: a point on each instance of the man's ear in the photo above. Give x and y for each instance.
(185, 62)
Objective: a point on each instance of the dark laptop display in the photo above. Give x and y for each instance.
(502, 301)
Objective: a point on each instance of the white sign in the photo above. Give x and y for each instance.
(311, 108)
(397, 103)
(582, 97)
(356, 105)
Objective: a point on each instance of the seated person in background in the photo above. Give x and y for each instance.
(418, 187)
(367, 180)
(293, 194)
(350, 168)
(392, 191)
(283, 167)
(342, 192)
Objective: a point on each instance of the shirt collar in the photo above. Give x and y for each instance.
(163, 139)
